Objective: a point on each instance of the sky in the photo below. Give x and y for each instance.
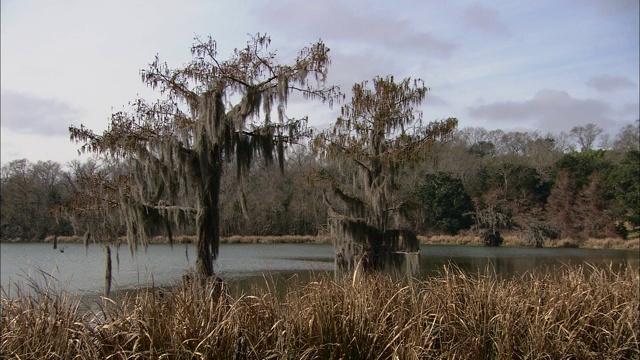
(515, 65)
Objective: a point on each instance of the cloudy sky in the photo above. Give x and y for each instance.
(544, 65)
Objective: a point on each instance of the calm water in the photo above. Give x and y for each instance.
(245, 263)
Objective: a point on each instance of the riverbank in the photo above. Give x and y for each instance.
(608, 243)
(577, 312)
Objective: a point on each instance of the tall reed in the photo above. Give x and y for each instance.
(577, 312)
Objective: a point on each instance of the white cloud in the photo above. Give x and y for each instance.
(630, 111)
(608, 83)
(613, 7)
(355, 26)
(37, 147)
(30, 114)
(548, 110)
(484, 18)
(435, 100)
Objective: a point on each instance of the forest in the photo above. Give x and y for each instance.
(542, 187)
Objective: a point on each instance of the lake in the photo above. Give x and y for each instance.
(244, 264)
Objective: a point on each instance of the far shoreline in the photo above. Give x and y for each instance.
(509, 241)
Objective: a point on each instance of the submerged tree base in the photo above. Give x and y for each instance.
(360, 248)
(574, 313)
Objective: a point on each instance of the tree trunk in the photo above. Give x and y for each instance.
(360, 249)
(208, 224)
(107, 274)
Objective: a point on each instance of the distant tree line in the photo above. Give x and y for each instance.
(574, 185)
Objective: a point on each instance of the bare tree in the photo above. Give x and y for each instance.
(455, 158)
(94, 206)
(19, 200)
(378, 134)
(29, 191)
(516, 143)
(562, 142)
(605, 142)
(277, 203)
(628, 138)
(492, 213)
(586, 135)
(561, 212)
(473, 135)
(177, 155)
(598, 219)
(542, 154)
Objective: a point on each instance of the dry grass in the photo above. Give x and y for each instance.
(612, 243)
(578, 312)
(236, 239)
(512, 240)
(509, 240)
(287, 239)
(449, 240)
(40, 322)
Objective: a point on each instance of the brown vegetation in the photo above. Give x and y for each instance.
(574, 313)
(236, 239)
(509, 240)
(512, 240)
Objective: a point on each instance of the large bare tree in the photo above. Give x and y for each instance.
(210, 111)
(628, 138)
(378, 133)
(586, 135)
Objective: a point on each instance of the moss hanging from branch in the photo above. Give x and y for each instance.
(377, 134)
(176, 158)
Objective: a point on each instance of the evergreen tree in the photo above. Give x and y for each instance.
(446, 207)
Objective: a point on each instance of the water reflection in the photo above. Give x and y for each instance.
(513, 261)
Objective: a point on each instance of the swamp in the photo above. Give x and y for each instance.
(217, 156)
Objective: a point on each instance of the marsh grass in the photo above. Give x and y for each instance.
(39, 319)
(509, 240)
(576, 312)
(235, 239)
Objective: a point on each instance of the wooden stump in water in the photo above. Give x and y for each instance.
(107, 275)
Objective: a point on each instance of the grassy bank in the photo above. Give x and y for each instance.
(236, 239)
(609, 243)
(578, 313)
(510, 240)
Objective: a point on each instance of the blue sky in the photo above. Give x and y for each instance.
(510, 65)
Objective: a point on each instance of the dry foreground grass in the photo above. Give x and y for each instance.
(575, 313)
